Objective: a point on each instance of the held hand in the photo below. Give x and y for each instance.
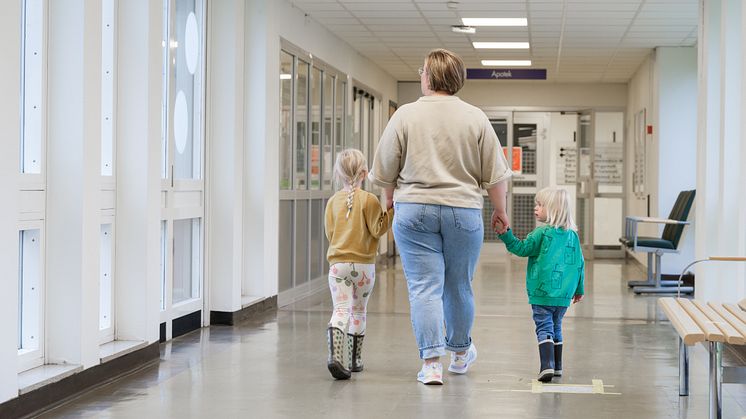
(389, 203)
(577, 298)
(500, 222)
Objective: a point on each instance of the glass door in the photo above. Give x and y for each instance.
(525, 153)
(585, 190)
(182, 186)
(502, 123)
(600, 190)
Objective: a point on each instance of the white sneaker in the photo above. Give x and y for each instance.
(431, 374)
(461, 363)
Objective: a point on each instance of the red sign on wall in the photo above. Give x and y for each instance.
(517, 162)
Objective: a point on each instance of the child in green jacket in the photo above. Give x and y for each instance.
(555, 273)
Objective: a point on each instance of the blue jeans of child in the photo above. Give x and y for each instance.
(439, 247)
(548, 320)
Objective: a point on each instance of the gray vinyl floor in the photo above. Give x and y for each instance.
(274, 366)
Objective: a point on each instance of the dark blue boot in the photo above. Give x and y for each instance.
(546, 356)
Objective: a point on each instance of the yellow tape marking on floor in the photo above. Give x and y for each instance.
(597, 387)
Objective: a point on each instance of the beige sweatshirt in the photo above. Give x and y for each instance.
(355, 238)
(439, 150)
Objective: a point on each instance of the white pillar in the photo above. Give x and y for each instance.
(138, 169)
(73, 173)
(225, 142)
(720, 222)
(261, 153)
(10, 134)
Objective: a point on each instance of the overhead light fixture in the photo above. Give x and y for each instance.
(499, 63)
(453, 5)
(463, 29)
(499, 21)
(500, 45)
(285, 76)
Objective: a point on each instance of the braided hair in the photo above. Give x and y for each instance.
(348, 172)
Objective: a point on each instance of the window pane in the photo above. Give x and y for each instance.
(339, 115)
(315, 128)
(107, 88)
(30, 296)
(105, 280)
(301, 126)
(32, 73)
(186, 260)
(164, 240)
(187, 109)
(301, 242)
(286, 118)
(327, 161)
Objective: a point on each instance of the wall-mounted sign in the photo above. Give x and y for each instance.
(517, 163)
(506, 73)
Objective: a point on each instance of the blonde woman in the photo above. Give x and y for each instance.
(435, 157)
(354, 221)
(555, 274)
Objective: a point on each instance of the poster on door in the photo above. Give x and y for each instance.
(517, 163)
(567, 163)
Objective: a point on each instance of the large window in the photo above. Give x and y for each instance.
(106, 282)
(30, 296)
(32, 186)
(313, 100)
(182, 244)
(107, 88)
(32, 144)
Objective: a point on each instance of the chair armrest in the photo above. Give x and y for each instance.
(635, 219)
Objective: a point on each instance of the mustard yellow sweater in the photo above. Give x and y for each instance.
(355, 239)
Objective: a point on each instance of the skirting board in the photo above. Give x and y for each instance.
(232, 318)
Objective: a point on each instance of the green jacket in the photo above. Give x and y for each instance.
(556, 269)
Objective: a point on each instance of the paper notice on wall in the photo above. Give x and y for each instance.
(567, 163)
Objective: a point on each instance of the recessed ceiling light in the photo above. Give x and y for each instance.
(286, 76)
(500, 45)
(463, 29)
(498, 63)
(500, 21)
(452, 5)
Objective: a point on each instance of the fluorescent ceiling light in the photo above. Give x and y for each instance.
(500, 45)
(498, 63)
(500, 21)
(286, 76)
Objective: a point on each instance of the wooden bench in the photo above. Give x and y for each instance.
(722, 329)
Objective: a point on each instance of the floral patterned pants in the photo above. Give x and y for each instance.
(351, 285)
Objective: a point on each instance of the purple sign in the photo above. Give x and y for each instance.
(507, 73)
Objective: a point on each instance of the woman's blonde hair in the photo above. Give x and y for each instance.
(556, 202)
(445, 71)
(349, 170)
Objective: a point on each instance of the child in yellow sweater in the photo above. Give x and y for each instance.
(354, 221)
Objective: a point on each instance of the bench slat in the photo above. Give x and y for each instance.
(685, 326)
(742, 304)
(732, 336)
(736, 311)
(738, 323)
(712, 333)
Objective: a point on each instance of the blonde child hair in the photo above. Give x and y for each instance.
(349, 173)
(556, 202)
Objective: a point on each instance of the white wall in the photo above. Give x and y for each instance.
(677, 140)
(520, 95)
(665, 86)
(254, 85)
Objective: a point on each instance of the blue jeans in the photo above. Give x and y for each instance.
(548, 320)
(439, 248)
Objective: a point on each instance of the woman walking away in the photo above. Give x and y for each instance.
(434, 158)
